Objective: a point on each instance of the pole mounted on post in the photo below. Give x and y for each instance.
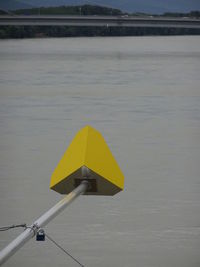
(78, 172)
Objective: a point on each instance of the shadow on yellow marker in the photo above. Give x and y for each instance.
(88, 157)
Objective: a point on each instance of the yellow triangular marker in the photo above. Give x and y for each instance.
(88, 157)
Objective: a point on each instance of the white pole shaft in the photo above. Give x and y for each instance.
(30, 232)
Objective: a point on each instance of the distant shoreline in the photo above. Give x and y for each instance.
(21, 32)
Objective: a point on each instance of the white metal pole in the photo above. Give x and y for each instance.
(31, 231)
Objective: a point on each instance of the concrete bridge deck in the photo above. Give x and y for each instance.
(107, 21)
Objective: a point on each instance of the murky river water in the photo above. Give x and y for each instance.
(143, 95)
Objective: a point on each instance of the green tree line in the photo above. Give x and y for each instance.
(71, 10)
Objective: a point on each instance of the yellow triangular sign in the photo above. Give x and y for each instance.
(88, 157)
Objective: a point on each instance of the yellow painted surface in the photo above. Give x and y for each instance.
(99, 158)
(88, 148)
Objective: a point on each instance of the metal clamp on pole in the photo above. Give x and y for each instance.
(31, 231)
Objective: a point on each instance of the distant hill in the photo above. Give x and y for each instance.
(70, 10)
(13, 5)
(146, 6)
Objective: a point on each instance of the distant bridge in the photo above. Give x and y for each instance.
(106, 21)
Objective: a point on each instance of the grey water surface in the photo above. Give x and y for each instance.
(143, 95)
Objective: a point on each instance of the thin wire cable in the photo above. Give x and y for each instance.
(64, 250)
(5, 228)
